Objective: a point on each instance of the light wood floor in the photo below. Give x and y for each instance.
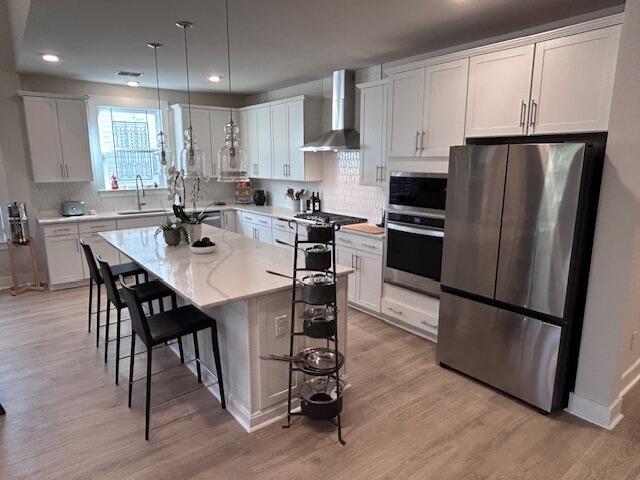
(405, 417)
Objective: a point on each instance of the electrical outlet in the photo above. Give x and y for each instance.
(632, 343)
(281, 325)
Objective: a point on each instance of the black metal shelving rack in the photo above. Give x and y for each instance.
(335, 372)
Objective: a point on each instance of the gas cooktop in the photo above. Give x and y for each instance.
(325, 217)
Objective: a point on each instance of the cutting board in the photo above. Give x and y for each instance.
(365, 228)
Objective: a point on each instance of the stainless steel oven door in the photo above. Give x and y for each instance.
(413, 257)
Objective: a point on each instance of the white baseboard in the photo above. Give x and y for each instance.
(630, 378)
(605, 416)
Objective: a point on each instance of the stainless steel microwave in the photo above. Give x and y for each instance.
(417, 192)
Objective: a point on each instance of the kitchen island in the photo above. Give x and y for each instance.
(251, 306)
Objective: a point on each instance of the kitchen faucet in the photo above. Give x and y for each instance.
(140, 204)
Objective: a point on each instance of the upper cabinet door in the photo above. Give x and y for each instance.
(44, 139)
(406, 114)
(248, 138)
(498, 95)
(218, 120)
(263, 141)
(280, 139)
(445, 103)
(74, 139)
(372, 133)
(295, 117)
(573, 82)
(201, 134)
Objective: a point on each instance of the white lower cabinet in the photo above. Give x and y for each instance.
(414, 311)
(64, 259)
(229, 220)
(364, 255)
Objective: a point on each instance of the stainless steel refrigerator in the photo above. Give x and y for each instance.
(517, 246)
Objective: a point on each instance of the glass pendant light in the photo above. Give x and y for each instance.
(232, 158)
(192, 158)
(161, 139)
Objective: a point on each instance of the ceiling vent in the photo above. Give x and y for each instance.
(125, 74)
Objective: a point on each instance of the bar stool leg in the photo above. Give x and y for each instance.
(106, 332)
(98, 320)
(90, 302)
(147, 405)
(197, 352)
(118, 345)
(131, 359)
(216, 356)
(174, 305)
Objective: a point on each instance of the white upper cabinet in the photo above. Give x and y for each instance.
(295, 139)
(373, 128)
(279, 129)
(208, 130)
(406, 113)
(74, 138)
(498, 95)
(263, 141)
(58, 138)
(428, 110)
(445, 102)
(218, 120)
(573, 82)
(280, 139)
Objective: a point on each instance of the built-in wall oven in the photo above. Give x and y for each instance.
(415, 230)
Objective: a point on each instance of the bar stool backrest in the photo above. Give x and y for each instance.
(109, 283)
(93, 268)
(139, 323)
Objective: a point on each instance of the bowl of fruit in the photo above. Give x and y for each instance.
(204, 245)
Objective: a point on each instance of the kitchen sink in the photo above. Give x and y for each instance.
(138, 212)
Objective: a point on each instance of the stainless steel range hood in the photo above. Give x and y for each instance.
(343, 110)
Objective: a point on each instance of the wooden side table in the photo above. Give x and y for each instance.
(16, 288)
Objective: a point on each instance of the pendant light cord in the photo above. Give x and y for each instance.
(155, 54)
(186, 61)
(226, 2)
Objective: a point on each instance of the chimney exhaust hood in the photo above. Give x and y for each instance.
(342, 135)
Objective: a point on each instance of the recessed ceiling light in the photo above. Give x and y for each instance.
(215, 78)
(133, 83)
(48, 57)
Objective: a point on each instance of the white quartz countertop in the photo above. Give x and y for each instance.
(264, 210)
(235, 271)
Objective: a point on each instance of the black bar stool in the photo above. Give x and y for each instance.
(162, 327)
(126, 269)
(147, 292)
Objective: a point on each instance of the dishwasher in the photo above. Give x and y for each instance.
(214, 219)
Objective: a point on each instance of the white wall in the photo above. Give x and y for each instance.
(609, 356)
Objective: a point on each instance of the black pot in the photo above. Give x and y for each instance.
(318, 289)
(321, 232)
(259, 197)
(317, 257)
(319, 322)
(319, 399)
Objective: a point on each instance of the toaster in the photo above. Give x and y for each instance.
(72, 208)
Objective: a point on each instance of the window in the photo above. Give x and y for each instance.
(127, 146)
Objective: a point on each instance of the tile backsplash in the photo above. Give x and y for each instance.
(340, 189)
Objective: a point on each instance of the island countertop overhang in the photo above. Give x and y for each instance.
(236, 271)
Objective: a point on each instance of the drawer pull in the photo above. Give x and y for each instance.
(399, 312)
(346, 240)
(368, 245)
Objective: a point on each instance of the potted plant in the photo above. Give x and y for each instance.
(192, 224)
(172, 231)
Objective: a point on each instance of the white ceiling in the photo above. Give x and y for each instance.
(274, 43)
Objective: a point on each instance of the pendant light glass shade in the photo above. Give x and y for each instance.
(192, 158)
(232, 158)
(162, 147)
(162, 151)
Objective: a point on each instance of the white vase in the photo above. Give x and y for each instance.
(194, 230)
